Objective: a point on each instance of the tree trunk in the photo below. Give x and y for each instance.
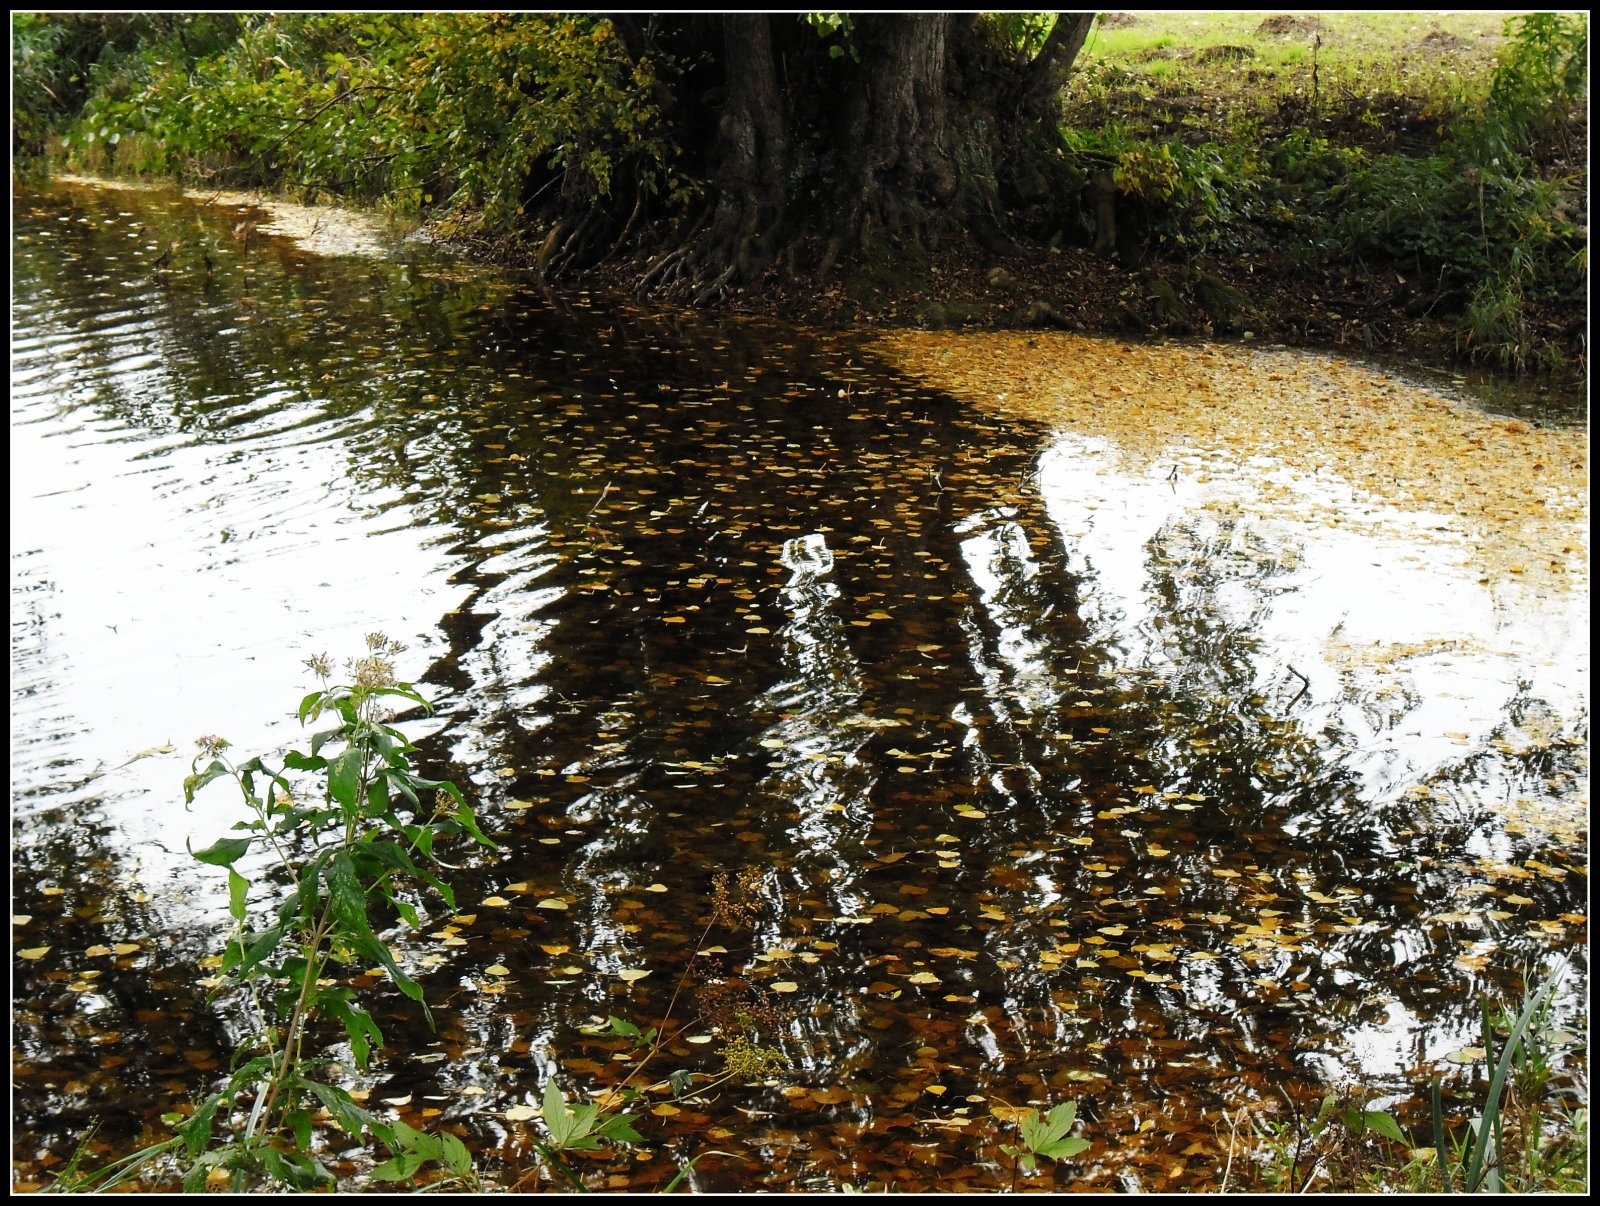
(889, 132)
(754, 153)
(1047, 74)
(897, 168)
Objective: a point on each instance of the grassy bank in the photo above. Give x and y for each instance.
(1423, 166)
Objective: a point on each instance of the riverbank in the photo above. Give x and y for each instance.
(1345, 311)
(1410, 185)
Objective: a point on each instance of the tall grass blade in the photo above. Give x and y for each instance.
(1491, 1106)
(1438, 1137)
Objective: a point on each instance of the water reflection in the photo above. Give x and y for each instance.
(1040, 778)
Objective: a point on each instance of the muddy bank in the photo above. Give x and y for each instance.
(1373, 313)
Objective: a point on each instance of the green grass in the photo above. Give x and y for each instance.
(1444, 59)
(1430, 144)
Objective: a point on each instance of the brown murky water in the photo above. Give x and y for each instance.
(1041, 786)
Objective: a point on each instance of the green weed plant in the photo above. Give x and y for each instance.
(356, 825)
(1046, 1136)
(1516, 1140)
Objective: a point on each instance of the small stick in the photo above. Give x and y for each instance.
(1306, 687)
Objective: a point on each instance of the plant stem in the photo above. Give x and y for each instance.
(294, 1030)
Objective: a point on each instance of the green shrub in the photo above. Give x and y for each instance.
(1196, 196)
(1540, 79)
(481, 110)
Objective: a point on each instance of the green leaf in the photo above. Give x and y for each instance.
(439, 886)
(554, 1110)
(195, 782)
(194, 1181)
(299, 1122)
(295, 760)
(294, 1169)
(456, 1157)
(1064, 1149)
(347, 1115)
(417, 1143)
(1037, 1132)
(348, 901)
(464, 817)
(407, 691)
(245, 954)
(408, 913)
(619, 1129)
(377, 797)
(569, 1127)
(398, 1168)
(358, 1024)
(318, 740)
(1384, 1124)
(196, 1133)
(238, 893)
(381, 854)
(1048, 1136)
(421, 836)
(401, 781)
(222, 852)
(344, 778)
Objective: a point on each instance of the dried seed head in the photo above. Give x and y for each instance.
(744, 1060)
(372, 672)
(736, 899)
(738, 1007)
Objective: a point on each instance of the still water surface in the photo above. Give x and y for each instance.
(1038, 788)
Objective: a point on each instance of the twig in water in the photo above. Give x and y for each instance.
(1304, 688)
(1299, 1137)
(596, 507)
(1233, 1134)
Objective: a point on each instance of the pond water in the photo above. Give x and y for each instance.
(1040, 782)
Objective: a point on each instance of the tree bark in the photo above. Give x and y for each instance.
(889, 134)
(1047, 74)
(754, 152)
(896, 128)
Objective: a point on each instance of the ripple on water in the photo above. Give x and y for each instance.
(1038, 771)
